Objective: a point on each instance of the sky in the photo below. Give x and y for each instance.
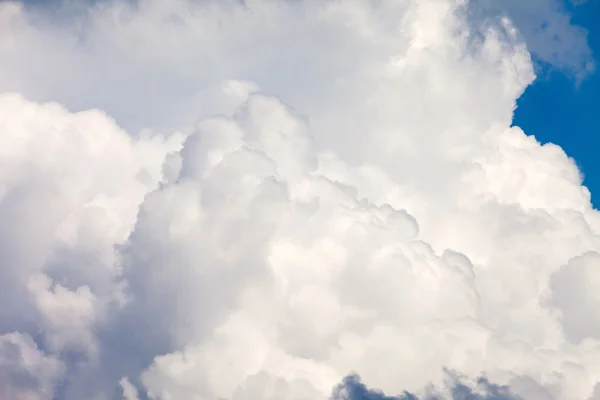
(560, 109)
(298, 200)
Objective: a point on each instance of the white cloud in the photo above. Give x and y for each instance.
(26, 373)
(574, 294)
(392, 224)
(129, 391)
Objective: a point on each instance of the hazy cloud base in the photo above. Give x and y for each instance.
(279, 195)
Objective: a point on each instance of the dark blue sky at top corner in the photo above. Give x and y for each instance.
(557, 108)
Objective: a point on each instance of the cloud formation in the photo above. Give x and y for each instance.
(161, 65)
(351, 199)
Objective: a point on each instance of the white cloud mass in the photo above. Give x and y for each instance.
(290, 192)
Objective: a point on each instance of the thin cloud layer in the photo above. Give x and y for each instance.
(351, 200)
(546, 28)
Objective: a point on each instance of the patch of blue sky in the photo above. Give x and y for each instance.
(561, 109)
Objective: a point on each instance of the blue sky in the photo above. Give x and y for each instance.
(555, 109)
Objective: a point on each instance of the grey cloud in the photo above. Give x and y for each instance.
(352, 388)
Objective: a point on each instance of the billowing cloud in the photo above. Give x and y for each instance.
(350, 200)
(160, 64)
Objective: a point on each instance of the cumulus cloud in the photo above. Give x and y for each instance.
(351, 199)
(167, 61)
